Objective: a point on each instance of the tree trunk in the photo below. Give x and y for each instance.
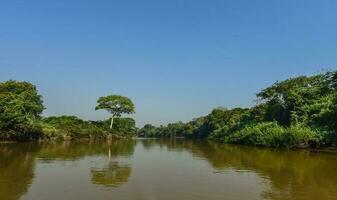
(112, 121)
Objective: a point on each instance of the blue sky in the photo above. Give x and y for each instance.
(176, 59)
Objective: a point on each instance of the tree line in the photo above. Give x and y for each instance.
(299, 112)
(20, 116)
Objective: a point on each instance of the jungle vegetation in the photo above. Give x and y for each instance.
(20, 117)
(299, 112)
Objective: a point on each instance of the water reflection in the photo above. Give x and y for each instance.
(113, 174)
(18, 160)
(287, 174)
(292, 174)
(16, 170)
(77, 150)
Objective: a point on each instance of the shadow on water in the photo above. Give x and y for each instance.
(291, 174)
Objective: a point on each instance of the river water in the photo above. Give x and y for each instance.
(151, 169)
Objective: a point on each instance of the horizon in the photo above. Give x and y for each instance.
(175, 60)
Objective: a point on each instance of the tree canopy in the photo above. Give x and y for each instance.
(116, 105)
(20, 108)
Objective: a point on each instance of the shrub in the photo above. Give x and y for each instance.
(270, 134)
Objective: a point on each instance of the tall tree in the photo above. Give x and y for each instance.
(116, 105)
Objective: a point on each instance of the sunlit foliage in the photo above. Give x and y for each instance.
(299, 112)
(20, 109)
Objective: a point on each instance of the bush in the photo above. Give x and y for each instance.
(220, 134)
(124, 126)
(270, 134)
(70, 127)
(298, 136)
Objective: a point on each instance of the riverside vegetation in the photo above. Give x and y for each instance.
(299, 112)
(20, 117)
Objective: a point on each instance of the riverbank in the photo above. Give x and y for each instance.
(298, 112)
(70, 128)
(108, 137)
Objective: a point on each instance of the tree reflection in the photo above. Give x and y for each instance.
(76, 150)
(112, 175)
(291, 174)
(17, 164)
(124, 148)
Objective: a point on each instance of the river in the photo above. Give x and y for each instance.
(156, 169)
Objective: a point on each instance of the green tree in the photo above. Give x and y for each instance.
(116, 105)
(20, 108)
(147, 131)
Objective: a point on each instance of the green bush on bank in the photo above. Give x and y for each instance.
(73, 127)
(270, 134)
(66, 127)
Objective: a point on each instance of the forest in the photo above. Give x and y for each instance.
(299, 112)
(20, 117)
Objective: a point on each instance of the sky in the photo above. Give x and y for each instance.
(176, 59)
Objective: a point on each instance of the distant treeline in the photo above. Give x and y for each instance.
(20, 118)
(299, 112)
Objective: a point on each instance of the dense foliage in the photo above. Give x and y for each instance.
(299, 112)
(121, 126)
(20, 109)
(116, 105)
(68, 127)
(20, 118)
